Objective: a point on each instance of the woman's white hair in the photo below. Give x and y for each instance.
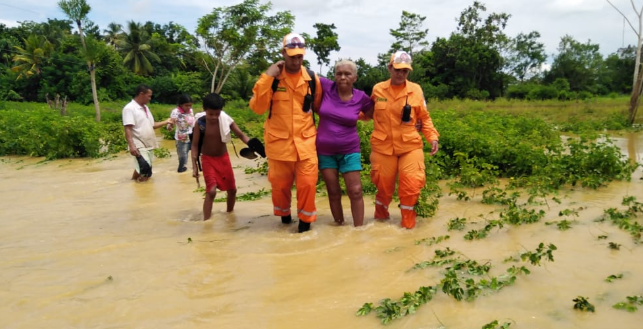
(347, 62)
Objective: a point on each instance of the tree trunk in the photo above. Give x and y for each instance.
(92, 75)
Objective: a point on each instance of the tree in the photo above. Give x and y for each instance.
(637, 80)
(579, 63)
(30, 59)
(240, 34)
(619, 67)
(77, 11)
(137, 49)
(323, 43)
(410, 36)
(526, 56)
(112, 32)
(469, 64)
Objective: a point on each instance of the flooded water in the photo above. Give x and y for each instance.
(84, 247)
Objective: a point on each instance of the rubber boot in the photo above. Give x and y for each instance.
(303, 226)
(286, 219)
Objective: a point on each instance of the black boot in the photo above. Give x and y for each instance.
(286, 219)
(303, 226)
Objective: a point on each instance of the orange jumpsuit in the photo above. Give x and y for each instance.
(289, 136)
(397, 148)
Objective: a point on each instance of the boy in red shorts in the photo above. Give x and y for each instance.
(214, 128)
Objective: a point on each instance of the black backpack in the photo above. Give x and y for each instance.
(311, 88)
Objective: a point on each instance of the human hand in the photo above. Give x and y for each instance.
(434, 147)
(275, 69)
(134, 151)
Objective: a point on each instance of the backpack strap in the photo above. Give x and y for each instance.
(312, 84)
(275, 84)
(201, 124)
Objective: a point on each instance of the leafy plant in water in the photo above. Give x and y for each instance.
(517, 215)
(261, 168)
(495, 325)
(162, 153)
(456, 224)
(582, 304)
(495, 195)
(459, 286)
(613, 277)
(562, 225)
(432, 240)
(630, 304)
(614, 246)
(428, 200)
(625, 219)
(249, 196)
(536, 256)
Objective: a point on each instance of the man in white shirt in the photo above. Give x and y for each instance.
(139, 131)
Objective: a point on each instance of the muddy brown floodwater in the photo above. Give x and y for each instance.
(82, 246)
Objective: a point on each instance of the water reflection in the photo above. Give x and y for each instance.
(83, 246)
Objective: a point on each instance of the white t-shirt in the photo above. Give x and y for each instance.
(142, 121)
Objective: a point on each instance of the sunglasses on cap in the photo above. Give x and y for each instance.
(295, 45)
(402, 59)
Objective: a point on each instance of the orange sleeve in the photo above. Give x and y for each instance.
(262, 94)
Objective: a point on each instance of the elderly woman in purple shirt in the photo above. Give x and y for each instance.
(337, 140)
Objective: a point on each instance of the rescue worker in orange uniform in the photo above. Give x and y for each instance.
(397, 147)
(289, 131)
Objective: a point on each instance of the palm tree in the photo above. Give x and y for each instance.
(112, 32)
(30, 59)
(137, 48)
(77, 11)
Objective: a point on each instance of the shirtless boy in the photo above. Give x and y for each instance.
(217, 169)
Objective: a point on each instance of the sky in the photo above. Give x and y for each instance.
(363, 25)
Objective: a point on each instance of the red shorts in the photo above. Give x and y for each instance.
(217, 172)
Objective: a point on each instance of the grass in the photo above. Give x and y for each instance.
(603, 109)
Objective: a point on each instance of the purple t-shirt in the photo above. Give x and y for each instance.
(337, 131)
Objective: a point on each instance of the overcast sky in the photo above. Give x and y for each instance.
(363, 25)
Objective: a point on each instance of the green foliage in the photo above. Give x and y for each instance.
(536, 256)
(614, 246)
(262, 168)
(162, 153)
(432, 240)
(495, 325)
(42, 132)
(582, 304)
(456, 224)
(458, 282)
(249, 196)
(613, 277)
(323, 43)
(625, 220)
(630, 304)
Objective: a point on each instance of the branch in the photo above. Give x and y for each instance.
(626, 19)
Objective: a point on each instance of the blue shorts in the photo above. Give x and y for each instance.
(342, 162)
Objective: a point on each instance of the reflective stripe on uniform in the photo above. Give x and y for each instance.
(381, 204)
(406, 207)
(310, 214)
(283, 209)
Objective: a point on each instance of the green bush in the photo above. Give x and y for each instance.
(43, 132)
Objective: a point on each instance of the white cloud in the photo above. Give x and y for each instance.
(9, 23)
(363, 25)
